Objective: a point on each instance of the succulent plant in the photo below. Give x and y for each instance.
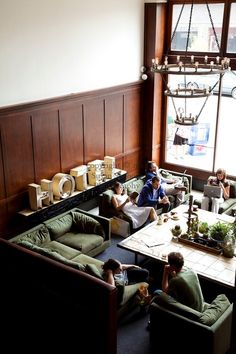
(176, 231)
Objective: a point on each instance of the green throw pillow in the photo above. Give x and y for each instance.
(92, 269)
(214, 310)
(86, 224)
(36, 237)
(52, 254)
(59, 226)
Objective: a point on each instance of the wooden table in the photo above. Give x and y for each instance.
(156, 241)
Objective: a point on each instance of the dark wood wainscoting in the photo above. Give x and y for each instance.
(40, 139)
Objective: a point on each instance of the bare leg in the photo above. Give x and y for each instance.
(153, 215)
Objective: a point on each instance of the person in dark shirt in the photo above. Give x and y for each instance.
(153, 194)
(171, 186)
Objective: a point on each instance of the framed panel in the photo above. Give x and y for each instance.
(114, 120)
(71, 136)
(46, 144)
(94, 130)
(17, 152)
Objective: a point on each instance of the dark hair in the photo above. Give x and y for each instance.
(156, 179)
(176, 259)
(117, 184)
(111, 264)
(221, 171)
(149, 165)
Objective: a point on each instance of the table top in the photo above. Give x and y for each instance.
(156, 241)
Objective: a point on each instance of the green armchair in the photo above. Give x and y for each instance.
(190, 331)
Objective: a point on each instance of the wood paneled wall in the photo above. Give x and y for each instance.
(40, 139)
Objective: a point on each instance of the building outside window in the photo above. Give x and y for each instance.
(211, 143)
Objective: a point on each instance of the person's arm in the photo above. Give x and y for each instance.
(109, 277)
(165, 279)
(163, 197)
(146, 197)
(116, 205)
(225, 189)
(126, 266)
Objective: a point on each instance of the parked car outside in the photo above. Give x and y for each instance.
(212, 81)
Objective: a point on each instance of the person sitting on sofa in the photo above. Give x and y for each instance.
(221, 181)
(126, 273)
(171, 186)
(153, 194)
(181, 283)
(121, 201)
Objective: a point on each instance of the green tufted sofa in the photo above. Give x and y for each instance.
(106, 208)
(73, 239)
(190, 331)
(228, 206)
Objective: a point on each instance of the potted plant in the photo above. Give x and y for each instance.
(219, 231)
(203, 228)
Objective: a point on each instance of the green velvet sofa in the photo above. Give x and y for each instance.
(69, 234)
(106, 208)
(190, 331)
(228, 206)
(54, 264)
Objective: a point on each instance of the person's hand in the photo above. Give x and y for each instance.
(221, 185)
(165, 199)
(127, 200)
(169, 270)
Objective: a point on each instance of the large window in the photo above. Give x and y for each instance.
(231, 44)
(212, 142)
(202, 37)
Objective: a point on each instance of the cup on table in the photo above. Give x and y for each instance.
(195, 207)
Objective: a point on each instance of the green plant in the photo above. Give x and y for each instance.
(203, 227)
(219, 231)
(176, 231)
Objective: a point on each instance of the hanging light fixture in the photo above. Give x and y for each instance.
(187, 65)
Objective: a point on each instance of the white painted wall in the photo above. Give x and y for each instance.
(50, 48)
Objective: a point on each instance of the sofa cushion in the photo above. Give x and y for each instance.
(83, 242)
(86, 224)
(37, 237)
(84, 259)
(171, 304)
(59, 226)
(63, 250)
(213, 312)
(51, 254)
(107, 195)
(92, 269)
(136, 186)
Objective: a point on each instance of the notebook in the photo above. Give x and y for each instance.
(213, 191)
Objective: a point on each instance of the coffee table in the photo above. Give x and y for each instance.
(156, 241)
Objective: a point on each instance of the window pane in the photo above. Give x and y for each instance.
(226, 141)
(231, 45)
(202, 38)
(198, 150)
